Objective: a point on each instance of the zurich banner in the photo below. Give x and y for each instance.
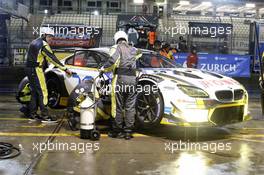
(229, 65)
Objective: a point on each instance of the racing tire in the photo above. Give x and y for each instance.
(25, 105)
(150, 110)
(25, 110)
(54, 94)
(21, 86)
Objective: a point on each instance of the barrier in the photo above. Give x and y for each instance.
(229, 65)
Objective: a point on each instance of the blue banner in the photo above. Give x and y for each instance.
(229, 65)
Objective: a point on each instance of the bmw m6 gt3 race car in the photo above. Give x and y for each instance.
(188, 97)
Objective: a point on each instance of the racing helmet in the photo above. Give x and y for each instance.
(46, 31)
(120, 35)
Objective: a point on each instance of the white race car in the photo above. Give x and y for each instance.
(188, 97)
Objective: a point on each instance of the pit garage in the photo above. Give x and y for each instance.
(199, 105)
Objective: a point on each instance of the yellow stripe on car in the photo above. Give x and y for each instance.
(82, 68)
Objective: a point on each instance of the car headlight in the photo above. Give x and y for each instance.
(193, 91)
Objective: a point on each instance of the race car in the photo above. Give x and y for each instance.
(183, 96)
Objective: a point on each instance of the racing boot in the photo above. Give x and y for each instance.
(34, 117)
(49, 119)
(128, 135)
(116, 134)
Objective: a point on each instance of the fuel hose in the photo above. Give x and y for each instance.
(8, 151)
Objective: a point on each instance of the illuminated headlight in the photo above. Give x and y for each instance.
(195, 115)
(193, 91)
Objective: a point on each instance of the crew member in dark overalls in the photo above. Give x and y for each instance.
(40, 52)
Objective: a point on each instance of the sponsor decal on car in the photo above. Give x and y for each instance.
(218, 82)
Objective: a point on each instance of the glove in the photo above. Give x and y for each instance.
(68, 72)
(101, 72)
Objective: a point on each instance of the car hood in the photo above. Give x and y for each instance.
(195, 77)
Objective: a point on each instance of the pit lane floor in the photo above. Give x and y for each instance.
(235, 149)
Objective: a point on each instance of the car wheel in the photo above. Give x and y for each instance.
(21, 86)
(150, 109)
(53, 93)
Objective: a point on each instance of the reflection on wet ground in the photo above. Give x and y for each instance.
(234, 149)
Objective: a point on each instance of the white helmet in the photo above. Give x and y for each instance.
(119, 35)
(47, 31)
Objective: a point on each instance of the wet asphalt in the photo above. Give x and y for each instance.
(234, 149)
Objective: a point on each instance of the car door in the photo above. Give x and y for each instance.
(85, 64)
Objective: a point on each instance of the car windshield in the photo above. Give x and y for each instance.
(153, 60)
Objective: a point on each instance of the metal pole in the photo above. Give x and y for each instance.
(94, 100)
(22, 38)
(232, 35)
(89, 18)
(261, 68)
(126, 6)
(258, 51)
(102, 25)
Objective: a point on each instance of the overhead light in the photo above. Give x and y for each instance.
(250, 5)
(46, 11)
(184, 3)
(206, 3)
(96, 12)
(138, 1)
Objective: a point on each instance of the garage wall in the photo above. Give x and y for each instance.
(239, 40)
(107, 22)
(21, 33)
